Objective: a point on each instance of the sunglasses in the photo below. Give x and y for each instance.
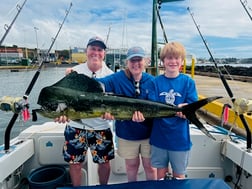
(93, 75)
(133, 60)
(137, 88)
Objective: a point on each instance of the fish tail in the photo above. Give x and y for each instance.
(190, 112)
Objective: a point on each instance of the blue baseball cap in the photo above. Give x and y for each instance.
(135, 51)
(98, 41)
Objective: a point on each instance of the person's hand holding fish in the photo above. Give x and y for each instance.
(180, 114)
(138, 117)
(68, 71)
(62, 119)
(108, 116)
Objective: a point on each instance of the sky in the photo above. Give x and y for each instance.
(224, 24)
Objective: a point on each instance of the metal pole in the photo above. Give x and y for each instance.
(154, 62)
(6, 58)
(36, 29)
(154, 50)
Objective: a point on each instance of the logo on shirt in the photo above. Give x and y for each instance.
(170, 96)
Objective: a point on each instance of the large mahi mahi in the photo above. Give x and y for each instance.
(78, 96)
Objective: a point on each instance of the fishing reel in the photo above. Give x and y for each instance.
(242, 105)
(15, 104)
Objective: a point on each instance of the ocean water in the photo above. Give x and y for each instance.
(14, 84)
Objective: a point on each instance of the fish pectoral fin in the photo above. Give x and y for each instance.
(61, 107)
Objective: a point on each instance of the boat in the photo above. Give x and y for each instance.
(34, 159)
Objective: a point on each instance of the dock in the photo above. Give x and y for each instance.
(213, 86)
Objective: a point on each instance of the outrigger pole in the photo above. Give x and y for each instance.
(224, 81)
(30, 87)
(6, 27)
(244, 3)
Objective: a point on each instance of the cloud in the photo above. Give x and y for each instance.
(225, 26)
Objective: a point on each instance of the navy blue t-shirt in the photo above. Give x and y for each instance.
(119, 83)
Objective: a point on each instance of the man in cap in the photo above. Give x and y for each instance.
(89, 132)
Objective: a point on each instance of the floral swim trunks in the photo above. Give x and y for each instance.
(77, 142)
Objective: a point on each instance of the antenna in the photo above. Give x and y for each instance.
(124, 30)
(108, 35)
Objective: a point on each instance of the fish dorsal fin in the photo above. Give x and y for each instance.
(79, 82)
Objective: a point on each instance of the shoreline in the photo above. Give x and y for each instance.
(237, 73)
(226, 76)
(240, 73)
(17, 67)
(35, 66)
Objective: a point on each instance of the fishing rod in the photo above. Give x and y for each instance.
(244, 4)
(6, 27)
(230, 93)
(224, 81)
(30, 87)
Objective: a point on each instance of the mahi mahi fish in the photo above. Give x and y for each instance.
(77, 96)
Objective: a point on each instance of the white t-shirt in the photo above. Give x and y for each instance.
(92, 123)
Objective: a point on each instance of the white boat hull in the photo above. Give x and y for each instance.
(41, 145)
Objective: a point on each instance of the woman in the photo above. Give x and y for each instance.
(133, 137)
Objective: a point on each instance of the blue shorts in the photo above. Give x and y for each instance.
(160, 158)
(77, 142)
